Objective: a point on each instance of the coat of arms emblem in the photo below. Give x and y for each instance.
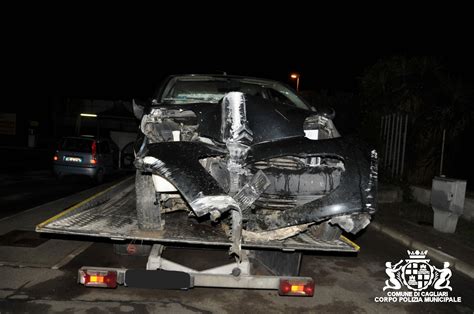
(417, 274)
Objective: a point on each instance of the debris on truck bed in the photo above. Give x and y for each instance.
(112, 214)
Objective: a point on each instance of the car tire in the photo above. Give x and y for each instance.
(148, 213)
(324, 231)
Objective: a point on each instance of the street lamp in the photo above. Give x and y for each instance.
(296, 76)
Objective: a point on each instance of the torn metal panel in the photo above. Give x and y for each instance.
(216, 204)
(234, 125)
(351, 223)
(237, 137)
(254, 148)
(245, 198)
(171, 161)
(252, 191)
(350, 196)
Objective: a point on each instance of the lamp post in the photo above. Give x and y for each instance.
(296, 76)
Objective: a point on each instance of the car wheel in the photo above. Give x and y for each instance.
(148, 213)
(324, 231)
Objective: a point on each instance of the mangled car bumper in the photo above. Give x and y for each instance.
(349, 205)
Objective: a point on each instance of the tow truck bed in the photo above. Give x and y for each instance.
(111, 214)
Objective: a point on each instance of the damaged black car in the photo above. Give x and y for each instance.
(252, 156)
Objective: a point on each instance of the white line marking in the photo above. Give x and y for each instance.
(74, 253)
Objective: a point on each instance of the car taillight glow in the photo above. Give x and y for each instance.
(94, 152)
(55, 158)
(296, 288)
(98, 278)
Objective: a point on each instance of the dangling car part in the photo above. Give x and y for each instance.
(251, 154)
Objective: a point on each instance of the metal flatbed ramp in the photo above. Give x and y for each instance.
(111, 214)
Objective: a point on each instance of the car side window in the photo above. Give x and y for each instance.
(279, 97)
(286, 97)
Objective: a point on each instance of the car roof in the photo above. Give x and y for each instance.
(214, 76)
(86, 137)
(240, 77)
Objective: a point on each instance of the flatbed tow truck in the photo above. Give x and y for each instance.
(112, 214)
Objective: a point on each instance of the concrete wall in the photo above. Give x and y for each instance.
(122, 138)
(389, 194)
(423, 195)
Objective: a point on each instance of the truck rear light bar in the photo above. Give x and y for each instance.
(98, 278)
(104, 277)
(299, 287)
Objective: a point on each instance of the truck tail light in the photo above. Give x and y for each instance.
(298, 287)
(98, 278)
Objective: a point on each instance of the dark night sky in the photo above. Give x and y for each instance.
(122, 72)
(91, 52)
(122, 58)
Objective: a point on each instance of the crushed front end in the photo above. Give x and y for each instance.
(256, 167)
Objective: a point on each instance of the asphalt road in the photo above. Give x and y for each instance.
(23, 190)
(344, 284)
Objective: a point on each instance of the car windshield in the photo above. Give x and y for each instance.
(77, 145)
(191, 89)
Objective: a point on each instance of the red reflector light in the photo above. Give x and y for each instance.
(297, 287)
(94, 152)
(94, 147)
(55, 158)
(98, 278)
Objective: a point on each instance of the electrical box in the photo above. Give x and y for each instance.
(447, 201)
(448, 194)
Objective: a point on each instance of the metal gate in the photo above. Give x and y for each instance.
(393, 137)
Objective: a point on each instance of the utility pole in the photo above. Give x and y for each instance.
(442, 154)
